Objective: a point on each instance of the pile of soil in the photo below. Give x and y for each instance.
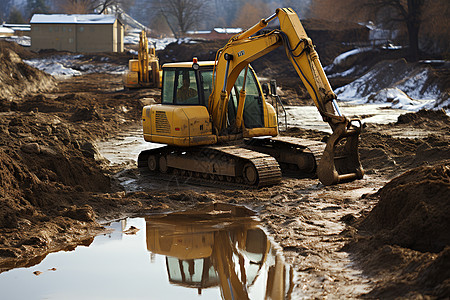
(17, 78)
(413, 210)
(404, 240)
(54, 183)
(381, 152)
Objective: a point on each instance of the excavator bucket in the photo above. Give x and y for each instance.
(340, 160)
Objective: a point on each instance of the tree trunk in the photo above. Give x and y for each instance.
(413, 23)
(413, 37)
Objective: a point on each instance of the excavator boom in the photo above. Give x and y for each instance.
(244, 48)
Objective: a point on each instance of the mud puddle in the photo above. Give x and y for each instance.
(125, 147)
(198, 255)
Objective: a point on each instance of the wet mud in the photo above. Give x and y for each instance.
(382, 236)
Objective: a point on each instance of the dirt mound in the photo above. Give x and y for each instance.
(203, 50)
(23, 52)
(406, 81)
(380, 151)
(17, 78)
(436, 118)
(413, 210)
(36, 170)
(404, 242)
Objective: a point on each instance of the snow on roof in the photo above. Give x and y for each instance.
(72, 19)
(10, 25)
(198, 32)
(228, 30)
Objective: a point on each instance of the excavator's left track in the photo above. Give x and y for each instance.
(230, 164)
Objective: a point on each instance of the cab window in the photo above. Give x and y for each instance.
(253, 108)
(180, 87)
(207, 84)
(168, 83)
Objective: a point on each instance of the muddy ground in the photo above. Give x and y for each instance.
(383, 236)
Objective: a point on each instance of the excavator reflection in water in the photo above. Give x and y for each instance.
(220, 245)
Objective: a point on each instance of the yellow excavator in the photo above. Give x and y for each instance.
(219, 249)
(143, 72)
(217, 125)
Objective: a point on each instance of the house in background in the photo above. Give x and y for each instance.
(77, 33)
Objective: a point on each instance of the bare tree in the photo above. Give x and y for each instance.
(91, 6)
(251, 13)
(15, 16)
(436, 25)
(182, 15)
(76, 6)
(5, 6)
(105, 4)
(408, 13)
(398, 13)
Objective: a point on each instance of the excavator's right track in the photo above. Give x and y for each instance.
(296, 156)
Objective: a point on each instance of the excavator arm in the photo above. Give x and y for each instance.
(244, 48)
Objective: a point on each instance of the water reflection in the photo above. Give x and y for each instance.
(214, 250)
(219, 249)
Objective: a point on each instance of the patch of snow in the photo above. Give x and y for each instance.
(328, 68)
(391, 47)
(21, 40)
(73, 65)
(397, 84)
(132, 52)
(433, 61)
(131, 38)
(53, 68)
(415, 86)
(198, 31)
(228, 30)
(6, 31)
(344, 74)
(71, 19)
(342, 57)
(398, 99)
(159, 44)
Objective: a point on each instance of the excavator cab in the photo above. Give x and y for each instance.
(186, 90)
(186, 86)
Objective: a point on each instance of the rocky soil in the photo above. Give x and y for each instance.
(384, 236)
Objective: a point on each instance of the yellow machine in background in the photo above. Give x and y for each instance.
(143, 72)
(218, 126)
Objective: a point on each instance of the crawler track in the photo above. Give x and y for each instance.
(232, 165)
(298, 157)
